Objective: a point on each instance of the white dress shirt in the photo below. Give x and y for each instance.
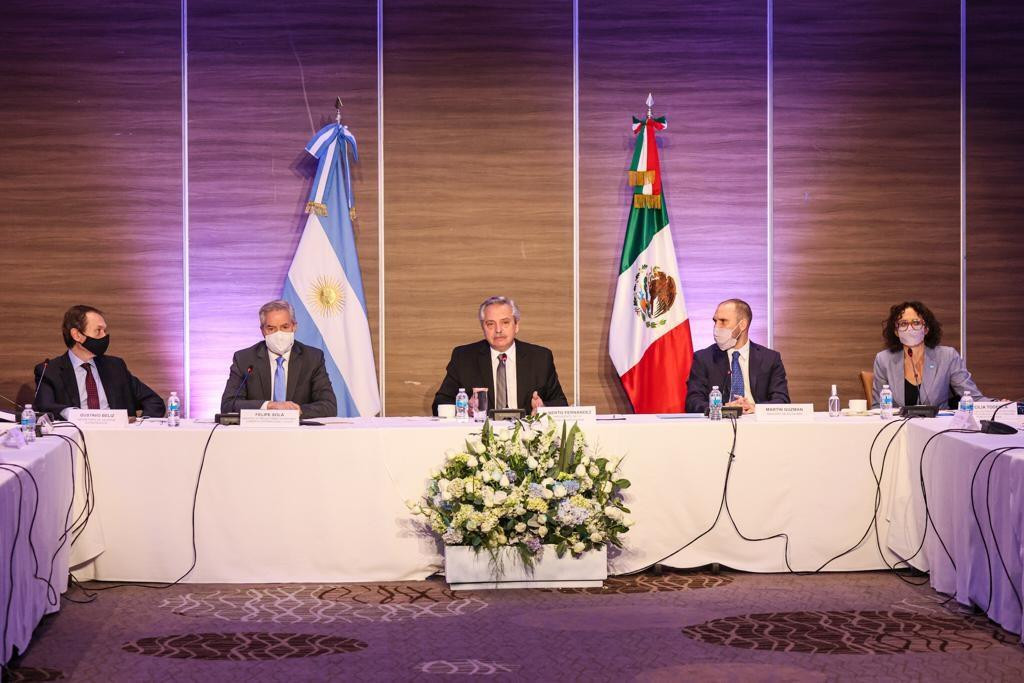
(510, 375)
(83, 396)
(744, 368)
(273, 371)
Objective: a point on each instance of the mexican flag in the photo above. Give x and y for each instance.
(649, 339)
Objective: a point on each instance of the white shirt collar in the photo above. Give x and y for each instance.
(510, 352)
(744, 351)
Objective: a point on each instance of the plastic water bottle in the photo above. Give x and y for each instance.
(965, 408)
(833, 403)
(173, 410)
(28, 423)
(885, 402)
(462, 405)
(715, 404)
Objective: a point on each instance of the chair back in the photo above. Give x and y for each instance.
(867, 379)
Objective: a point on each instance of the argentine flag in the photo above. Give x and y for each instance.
(324, 283)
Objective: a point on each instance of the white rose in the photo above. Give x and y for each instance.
(486, 475)
(581, 471)
(585, 460)
(594, 471)
(446, 495)
(627, 521)
(412, 504)
(542, 531)
(521, 527)
(597, 537)
(532, 463)
(500, 497)
(559, 491)
(579, 547)
(469, 485)
(504, 483)
(607, 488)
(546, 494)
(434, 472)
(613, 512)
(475, 445)
(471, 461)
(548, 481)
(543, 519)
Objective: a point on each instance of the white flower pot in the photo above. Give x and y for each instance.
(466, 569)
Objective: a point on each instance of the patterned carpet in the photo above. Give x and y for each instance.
(669, 627)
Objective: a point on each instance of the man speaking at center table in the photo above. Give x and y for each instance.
(516, 374)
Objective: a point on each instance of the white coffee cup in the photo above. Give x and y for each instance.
(446, 410)
(858, 405)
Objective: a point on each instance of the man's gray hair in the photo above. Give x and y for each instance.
(494, 300)
(275, 305)
(742, 309)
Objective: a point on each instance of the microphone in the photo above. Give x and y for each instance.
(917, 377)
(241, 385)
(232, 418)
(46, 364)
(993, 427)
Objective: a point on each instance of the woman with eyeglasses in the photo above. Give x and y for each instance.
(916, 368)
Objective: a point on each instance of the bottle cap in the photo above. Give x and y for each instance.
(834, 390)
(885, 386)
(714, 388)
(28, 406)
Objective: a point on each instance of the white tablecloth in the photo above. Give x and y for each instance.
(23, 584)
(950, 463)
(327, 503)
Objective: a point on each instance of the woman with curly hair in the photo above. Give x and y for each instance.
(916, 368)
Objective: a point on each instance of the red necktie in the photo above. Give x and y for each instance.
(92, 396)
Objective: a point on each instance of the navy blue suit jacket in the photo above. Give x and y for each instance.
(711, 367)
(59, 388)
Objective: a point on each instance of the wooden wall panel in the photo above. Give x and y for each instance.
(995, 198)
(478, 181)
(705, 63)
(866, 180)
(262, 79)
(90, 181)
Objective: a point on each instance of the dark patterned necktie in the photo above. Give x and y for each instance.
(737, 376)
(501, 385)
(92, 394)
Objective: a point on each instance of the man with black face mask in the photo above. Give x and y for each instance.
(85, 377)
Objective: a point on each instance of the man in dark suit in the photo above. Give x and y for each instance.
(279, 373)
(85, 377)
(746, 373)
(516, 374)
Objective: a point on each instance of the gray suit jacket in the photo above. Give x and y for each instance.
(943, 368)
(309, 385)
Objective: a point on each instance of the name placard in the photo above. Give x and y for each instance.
(569, 413)
(98, 418)
(983, 410)
(784, 412)
(269, 418)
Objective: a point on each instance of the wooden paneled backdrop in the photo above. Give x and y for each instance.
(477, 173)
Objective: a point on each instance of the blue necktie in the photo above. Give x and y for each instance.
(737, 376)
(279, 382)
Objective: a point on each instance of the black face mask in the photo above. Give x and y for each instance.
(96, 347)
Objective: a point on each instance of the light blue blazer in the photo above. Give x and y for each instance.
(943, 368)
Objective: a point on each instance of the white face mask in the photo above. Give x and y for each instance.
(912, 337)
(280, 342)
(724, 337)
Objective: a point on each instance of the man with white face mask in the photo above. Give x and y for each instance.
(280, 373)
(746, 373)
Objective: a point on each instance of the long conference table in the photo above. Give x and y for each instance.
(35, 511)
(327, 504)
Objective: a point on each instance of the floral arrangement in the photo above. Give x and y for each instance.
(526, 486)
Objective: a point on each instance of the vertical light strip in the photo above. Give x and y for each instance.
(381, 346)
(963, 178)
(576, 201)
(770, 208)
(186, 342)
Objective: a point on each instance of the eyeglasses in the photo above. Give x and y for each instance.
(914, 324)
